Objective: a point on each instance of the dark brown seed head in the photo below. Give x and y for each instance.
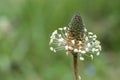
(76, 32)
(76, 27)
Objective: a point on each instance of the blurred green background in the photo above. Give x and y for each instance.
(25, 28)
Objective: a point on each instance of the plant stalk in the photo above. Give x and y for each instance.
(75, 65)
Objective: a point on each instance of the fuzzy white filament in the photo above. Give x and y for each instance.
(58, 40)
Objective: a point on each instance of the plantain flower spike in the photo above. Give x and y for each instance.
(75, 39)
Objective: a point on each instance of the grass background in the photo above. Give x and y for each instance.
(25, 28)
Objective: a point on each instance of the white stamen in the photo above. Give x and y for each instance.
(70, 47)
(60, 28)
(97, 42)
(59, 44)
(80, 42)
(100, 48)
(87, 49)
(79, 77)
(59, 35)
(86, 38)
(67, 53)
(50, 41)
(55, 32)
(83, 52)
(98, 53)
(88, 44)
(94, 36)
(85, 29)
(76, 50)
(81, 58)
(73, 41)
(66, 47)
(51, 48)
(90, 33)
(93, 49)
(91, 56)
(54, 50)
(52, 37)
(66, 34)
(90, 36)
(79, 51)
(65, 28)
(96, 49)
(61, 40)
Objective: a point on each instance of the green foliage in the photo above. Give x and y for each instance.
(25, 28)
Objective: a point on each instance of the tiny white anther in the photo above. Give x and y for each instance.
(59, 35)
(96, 50)
(51, 48)
(97, 42)
(59, 44)
(51, 41)
(73, 41)
(61, 40)
(98, 53)
(80, 42)
(93, 49)
(76, 50)
(70, 47)
(86, 38)
(79, 51)
(65, 28)
(60, 28)
(94, 36)
(54, 50)
(90, 33)
(91, 56)
(90, 36)
(88, 44)
(67, 53)
(55, 32)
(81, 58)
(86, 49)
(79, 77)
(100, 48)
(66, 47)
(66, 34)
(83, 52)
(53, 36)
(85, 29)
